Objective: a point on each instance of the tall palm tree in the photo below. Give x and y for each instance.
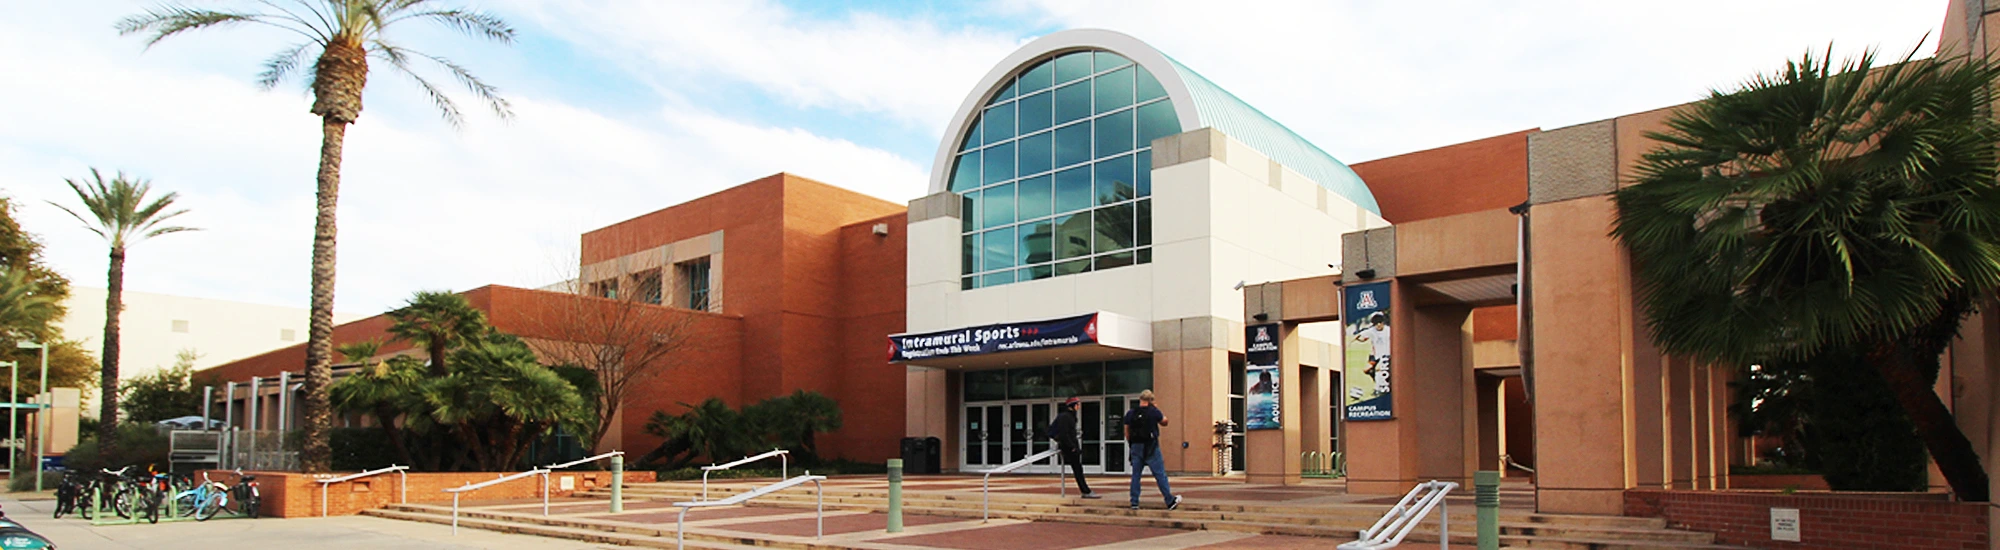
(1827, 208)
(341, 35)
(118, 212)
(438, 322)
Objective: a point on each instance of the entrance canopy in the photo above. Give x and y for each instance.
(1098, 336)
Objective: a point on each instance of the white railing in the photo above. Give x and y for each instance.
(553, 467)
(1509, 461)
(680, 525)
(403, 484)
(470, 487)
(1400, 520)
(784, 467)
(986, 487)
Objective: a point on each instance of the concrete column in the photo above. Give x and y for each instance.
(1443, 400)
(1273, 455)
(1204, 374)
(1487, 390)
(1679, 423)
(1167, 387)
(1704, 452)
(1312, 408)
(1648, 433)
(1721, 430)
(1582, 358)
(1382, 454)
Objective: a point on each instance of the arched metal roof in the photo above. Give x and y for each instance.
(1198, 102)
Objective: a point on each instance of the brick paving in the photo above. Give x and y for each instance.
(699, 514)
(835, 525)
(1271, 542)
(1032, 536)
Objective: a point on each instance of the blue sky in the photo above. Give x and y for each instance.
(627, 106)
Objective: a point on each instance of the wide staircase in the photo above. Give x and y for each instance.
(1336, 523)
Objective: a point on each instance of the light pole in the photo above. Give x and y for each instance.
(42, 422)
(13, 415)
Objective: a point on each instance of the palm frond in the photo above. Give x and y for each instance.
(400, 60)
(282, 65)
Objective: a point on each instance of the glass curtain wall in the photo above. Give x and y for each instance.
(1056, 171)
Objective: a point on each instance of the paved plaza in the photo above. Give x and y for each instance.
(344, 533)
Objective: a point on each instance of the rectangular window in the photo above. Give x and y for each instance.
(647, 288)
(1035, 198)
(180, 326)
(607, 288)
(695, 273)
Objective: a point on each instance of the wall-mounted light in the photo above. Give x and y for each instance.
(1261, 316)
(881, 230)
(1365, 274)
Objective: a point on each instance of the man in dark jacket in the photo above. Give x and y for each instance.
(1069, 438)
(1142, 435)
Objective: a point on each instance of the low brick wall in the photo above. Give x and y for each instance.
(292, 494)
(1922, 521)
(1807, 482)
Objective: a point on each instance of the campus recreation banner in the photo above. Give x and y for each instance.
(1261, 376)
(994, 338)
(1365, 318)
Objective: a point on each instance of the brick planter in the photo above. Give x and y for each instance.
(293, 495)
(1806, 482)
(1916, 521)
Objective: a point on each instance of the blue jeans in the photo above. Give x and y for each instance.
(1148, 456)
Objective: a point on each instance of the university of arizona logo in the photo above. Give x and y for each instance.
(1263, 333)
(1367, 301)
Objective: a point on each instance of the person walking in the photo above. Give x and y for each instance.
(1069, 439)
(1142, 435)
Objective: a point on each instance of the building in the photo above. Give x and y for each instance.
(155, 328)
(789, 283)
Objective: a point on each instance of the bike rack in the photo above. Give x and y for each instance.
(470, 487)
(986, 488)
(680, 525)
(403, 484)
(553, 467)
(784, 467)
(1406, 514)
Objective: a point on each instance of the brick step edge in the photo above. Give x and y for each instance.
(1421, 534)
(1357, 514)
(595, 536)
(1369, 510)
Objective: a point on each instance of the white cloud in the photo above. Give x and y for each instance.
(913, 70)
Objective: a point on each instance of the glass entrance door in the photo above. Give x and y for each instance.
(984, 436)
(999, 433)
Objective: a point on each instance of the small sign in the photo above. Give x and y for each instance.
(569, 483)
(1262, 376)
(1785, 524)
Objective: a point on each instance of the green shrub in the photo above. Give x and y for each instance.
(358, 449)
(139, 445)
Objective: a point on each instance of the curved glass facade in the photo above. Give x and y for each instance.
(1056, 170)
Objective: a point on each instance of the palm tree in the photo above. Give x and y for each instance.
(388, 390)
(1827, 208)
(121, 215)
(341, 35)
(438, 321)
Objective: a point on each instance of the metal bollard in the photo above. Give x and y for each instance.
(895, 495)
(1486, 499)
(617, 484)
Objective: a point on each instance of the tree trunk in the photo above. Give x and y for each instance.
(317, 455)
(107, 413)
(1910, 366)
(395, 434)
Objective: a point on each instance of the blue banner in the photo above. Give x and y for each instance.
(1261, 378)
(1365, 320)
(994, 338)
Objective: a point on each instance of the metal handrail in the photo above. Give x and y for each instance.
(469, 487)
(784, 466)
(554, 467)
(1406, 514)
(985, 483)
(1509, 461)
(680, 525)
(580, 461)
(403, 485)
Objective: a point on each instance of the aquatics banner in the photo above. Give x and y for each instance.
(1261, 376)
(1365, 322)
(1033, 335)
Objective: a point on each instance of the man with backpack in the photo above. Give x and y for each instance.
(1069, 439)
(1142, 434)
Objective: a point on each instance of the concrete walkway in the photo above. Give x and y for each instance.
(343, 533)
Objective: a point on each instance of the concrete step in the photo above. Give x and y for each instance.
(560, 531)
(1350, 518)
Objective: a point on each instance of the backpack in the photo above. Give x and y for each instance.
(1143, 427)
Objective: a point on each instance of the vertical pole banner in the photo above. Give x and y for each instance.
(1261, 375)
(1365, 318)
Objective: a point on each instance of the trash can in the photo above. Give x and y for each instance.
(913, 455)
(933, 455)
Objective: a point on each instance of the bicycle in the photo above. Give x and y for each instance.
(67, 493)
(203, 500)
(247, 496)
(120, 493)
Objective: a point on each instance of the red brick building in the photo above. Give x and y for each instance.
(813, 280)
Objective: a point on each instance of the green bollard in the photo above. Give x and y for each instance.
(617, 483)
(1486, 497)
(895, 495)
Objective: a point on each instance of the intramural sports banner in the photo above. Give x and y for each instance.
(1261, 376)
(995, 338)
(1365, 316)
